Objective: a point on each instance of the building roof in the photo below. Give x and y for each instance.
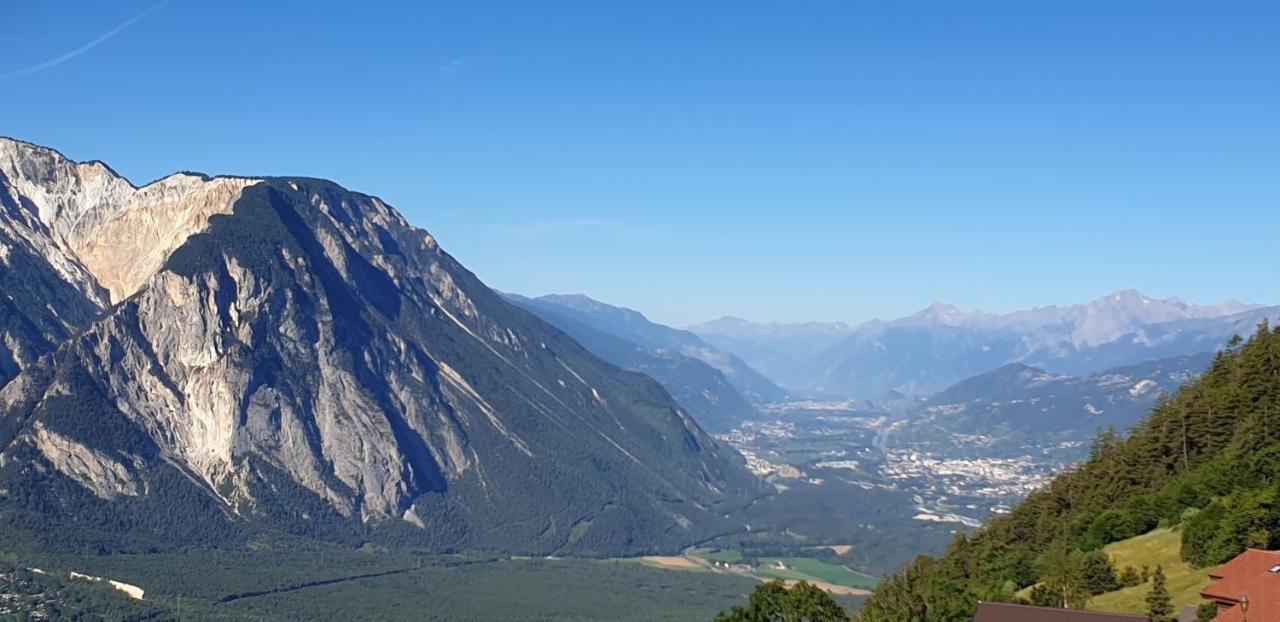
(1254, 573)
(1002, 612)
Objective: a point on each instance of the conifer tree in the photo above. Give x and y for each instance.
(1159, 605)
(1099, 574)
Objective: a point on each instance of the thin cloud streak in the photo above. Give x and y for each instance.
(84, 48)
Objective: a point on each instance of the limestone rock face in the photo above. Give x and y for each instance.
(297, 351)
(93, 469)
(119, 233)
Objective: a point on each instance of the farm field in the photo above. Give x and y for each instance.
(810, 569)
(834, 578)
(676, 562)
(728, 556)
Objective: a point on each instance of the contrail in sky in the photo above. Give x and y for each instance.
(84, 48)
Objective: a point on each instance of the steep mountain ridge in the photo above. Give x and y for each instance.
(305, 358)
(635, 327)
(702, 389)
(39, 307)
(45, 293)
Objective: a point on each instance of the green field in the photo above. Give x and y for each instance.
(797, 568)
(727, 556)
(810, 569)
(533, 590)
(1158, 547)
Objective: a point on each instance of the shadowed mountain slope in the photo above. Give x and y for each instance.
(673, 358)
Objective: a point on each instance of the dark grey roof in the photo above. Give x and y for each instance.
(1001, 612)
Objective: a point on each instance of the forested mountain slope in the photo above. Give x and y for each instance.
(1017, 405)
(1207, 460)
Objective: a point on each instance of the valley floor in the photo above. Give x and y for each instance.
(323, 582)
(836, 579)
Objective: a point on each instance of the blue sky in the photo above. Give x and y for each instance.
(773, 160)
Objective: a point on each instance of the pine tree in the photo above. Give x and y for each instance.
(1159, 605)
(1099, 574)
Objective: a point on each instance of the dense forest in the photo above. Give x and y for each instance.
(1206, 460)
(775, 601)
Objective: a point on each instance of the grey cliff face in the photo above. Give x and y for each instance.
(295, 339)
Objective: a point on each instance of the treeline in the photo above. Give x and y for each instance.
(801, 602)
(1207, 459)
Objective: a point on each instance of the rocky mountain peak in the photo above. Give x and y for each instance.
(941, 314)
(121, 233)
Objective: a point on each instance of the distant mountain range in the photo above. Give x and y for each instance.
(717, 388)
(201, 359)
(788, 353)
(941, 345)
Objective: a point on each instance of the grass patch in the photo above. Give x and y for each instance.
(720, 555)
(1159, 547)
(810, 569)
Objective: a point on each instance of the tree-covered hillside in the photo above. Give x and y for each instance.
(1206, 460)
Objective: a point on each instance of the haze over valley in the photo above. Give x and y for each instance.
(1001, 429)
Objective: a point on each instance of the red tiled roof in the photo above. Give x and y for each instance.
(1249, 574)
(1001, 612)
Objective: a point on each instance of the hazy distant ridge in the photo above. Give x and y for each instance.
(941, 344)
